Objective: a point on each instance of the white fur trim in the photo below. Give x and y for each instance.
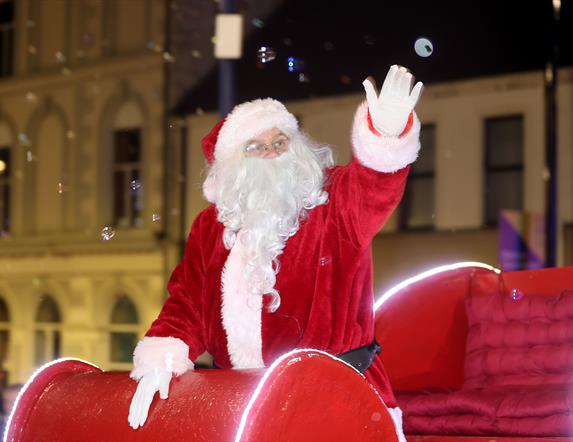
(383, 153)
(156, 353)
(247, 120)
(210, 189)
(396, 414)
(241, 313)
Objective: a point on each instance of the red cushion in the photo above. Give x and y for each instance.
(519, 340)
(506, 411)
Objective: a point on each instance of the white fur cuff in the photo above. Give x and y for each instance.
(154, 353)
(383, 153)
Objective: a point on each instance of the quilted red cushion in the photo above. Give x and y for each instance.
(519, 340)
(511, 411)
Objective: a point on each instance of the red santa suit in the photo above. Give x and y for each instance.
(325, 278)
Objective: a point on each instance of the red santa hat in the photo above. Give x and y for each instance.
(245, 122)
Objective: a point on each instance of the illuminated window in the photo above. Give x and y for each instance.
(504, 166)
(48, 336)
(124, 325)
(6, 37)
(417, 206)
(5, 176)
(127, 185)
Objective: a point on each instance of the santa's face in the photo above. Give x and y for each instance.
(269, 144)
(263, 192)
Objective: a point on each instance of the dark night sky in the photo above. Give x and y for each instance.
(341, 42)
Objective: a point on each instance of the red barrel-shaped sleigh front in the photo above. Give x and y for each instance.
(305, 395)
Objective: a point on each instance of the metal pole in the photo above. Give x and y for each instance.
(551, 222)
(227, 72)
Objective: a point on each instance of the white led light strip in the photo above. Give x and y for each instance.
(29, 382)
(427, 274)
(273, 366)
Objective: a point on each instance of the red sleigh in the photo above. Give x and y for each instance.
(308, 395)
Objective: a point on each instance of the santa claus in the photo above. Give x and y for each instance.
(281, 259)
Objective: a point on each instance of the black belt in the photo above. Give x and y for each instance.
(361, 357)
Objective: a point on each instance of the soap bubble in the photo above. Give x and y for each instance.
(295, 64)
(266, 54)
(423, 47)
(328, 46)
(168, 57)
(303, 78)
(31, 97)
(135, 185)
(155, 217)
(60, 57)
(516, 295)
(62, 188)
(257, 23)
(107, 233)
(30, 156)
(24, 140)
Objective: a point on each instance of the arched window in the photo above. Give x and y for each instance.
(123, 330)
(4, 334)
(48, 336)
(127, 161)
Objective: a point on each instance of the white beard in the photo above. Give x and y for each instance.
(261, 202)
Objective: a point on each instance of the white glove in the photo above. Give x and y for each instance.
(149, 384)
(390, 110)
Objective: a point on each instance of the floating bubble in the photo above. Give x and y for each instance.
(150, 45)
(31, 97)
(369, 39)
(295, 64)
(66, 71)
(376, 417)
(30, 156)
(199, 111)
(81, 53)
(87, 38)
(62, 188)
(155, 217)
(196, 53)
(303, 78)
(257, 23)
(266, 54)
(24, 140)
(345, 79)
(30, 23)
(32, 49)
(516, 295)
(423, 47)
(287, 41)
(70, 135)
(135, 185)
(328, 46)
(107, 233)
(168, 57)
(60, 57)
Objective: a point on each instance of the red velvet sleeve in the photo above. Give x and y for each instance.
(181, 314)
(363, 199)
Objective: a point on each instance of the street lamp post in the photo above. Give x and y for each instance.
(551, 219)
(226, 72)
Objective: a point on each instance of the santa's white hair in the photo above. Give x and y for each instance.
(262, 201)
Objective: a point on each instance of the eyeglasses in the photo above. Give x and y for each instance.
(280, 143)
